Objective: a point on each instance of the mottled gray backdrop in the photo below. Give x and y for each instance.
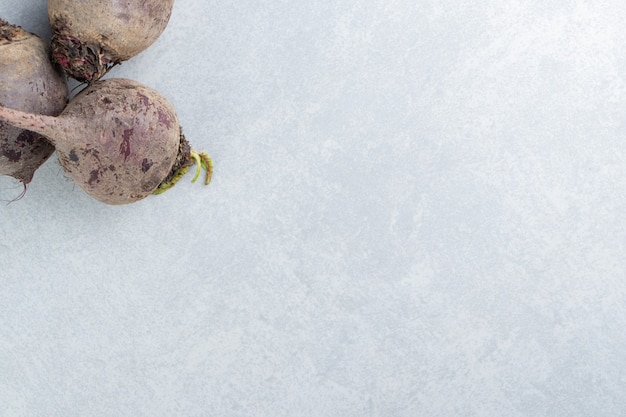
(418, 210)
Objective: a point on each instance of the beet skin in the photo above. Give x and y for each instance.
(91, 36)
(117, 139)
(28, 82)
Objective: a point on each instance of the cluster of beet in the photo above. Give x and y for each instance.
(118, 139)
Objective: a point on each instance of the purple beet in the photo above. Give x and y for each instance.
(28, 82)
(119, 140)
(91, 36)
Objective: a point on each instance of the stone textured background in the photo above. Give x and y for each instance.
(418, 210)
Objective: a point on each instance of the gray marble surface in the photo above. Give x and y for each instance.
(417, 210)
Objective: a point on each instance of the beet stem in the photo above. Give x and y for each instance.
(48, 126)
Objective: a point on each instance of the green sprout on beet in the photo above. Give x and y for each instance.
(201, 160)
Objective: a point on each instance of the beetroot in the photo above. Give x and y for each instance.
(91, 36)
(119, 140)
(28, 82)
